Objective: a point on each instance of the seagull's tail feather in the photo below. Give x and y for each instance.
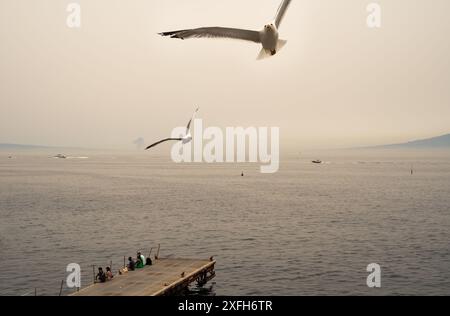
(281, 43)
(263, 54)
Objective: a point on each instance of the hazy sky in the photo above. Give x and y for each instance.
(336, 83)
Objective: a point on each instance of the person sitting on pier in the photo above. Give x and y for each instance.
(148, 262)
(140, 255)
(139, 263)
(101, 276)
(109, 275)
(131, 264)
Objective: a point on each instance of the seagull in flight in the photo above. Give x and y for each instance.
(187, 138)
(268, 37)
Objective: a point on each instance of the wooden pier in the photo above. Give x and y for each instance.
(164, 277)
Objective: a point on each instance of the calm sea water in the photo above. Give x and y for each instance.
(307, 230)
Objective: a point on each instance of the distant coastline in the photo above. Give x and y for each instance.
(24, 147)
(30, 148)
(439, 142)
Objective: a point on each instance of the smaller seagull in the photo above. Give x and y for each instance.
(187, 138)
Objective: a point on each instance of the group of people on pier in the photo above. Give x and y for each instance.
(139, 263)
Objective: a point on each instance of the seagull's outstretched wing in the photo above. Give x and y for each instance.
(188, 128)
(215, 32)
(162, 141)
(281, 12)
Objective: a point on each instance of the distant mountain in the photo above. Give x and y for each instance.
(441, 142)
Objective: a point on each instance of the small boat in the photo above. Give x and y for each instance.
(60, 156)
(317, 161)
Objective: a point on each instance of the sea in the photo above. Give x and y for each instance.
(310, 229)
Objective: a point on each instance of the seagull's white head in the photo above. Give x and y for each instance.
(270, 27)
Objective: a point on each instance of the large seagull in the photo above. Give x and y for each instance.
(187, 138)
(268, 37)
